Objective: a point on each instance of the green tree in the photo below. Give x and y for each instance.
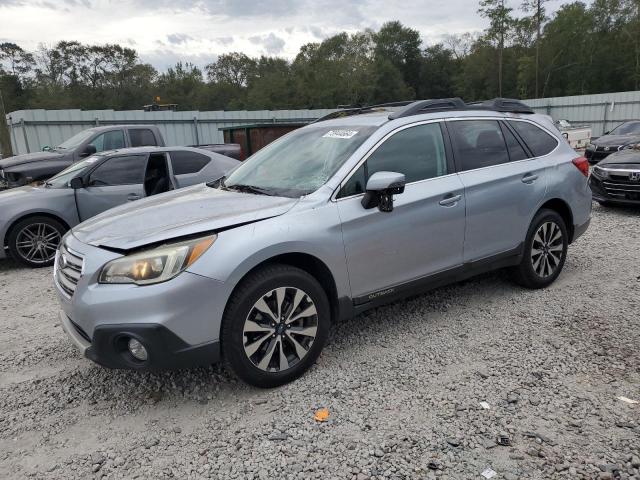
(500, 25)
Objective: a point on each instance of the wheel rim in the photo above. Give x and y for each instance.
(547, 249)
(38, 242)
(280, 329)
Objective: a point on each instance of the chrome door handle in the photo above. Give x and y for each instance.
(529, 178)
(450, 200)
(133, 196)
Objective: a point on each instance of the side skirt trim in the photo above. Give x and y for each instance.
(429, 282)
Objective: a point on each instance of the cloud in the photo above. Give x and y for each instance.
(178, 38)
(162, 59)
(225, 41)
(164, 31)
(271, 43)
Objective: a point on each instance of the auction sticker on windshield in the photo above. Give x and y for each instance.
(340, 134)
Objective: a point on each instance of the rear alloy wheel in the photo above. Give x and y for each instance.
(34, 241)
(545, 251)
(275, 325)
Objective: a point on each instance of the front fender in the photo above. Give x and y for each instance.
(315, 232)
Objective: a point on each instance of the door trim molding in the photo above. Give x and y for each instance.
(429, 282)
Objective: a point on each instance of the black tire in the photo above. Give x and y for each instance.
(525, 273)
(52, 230)
(242, 304)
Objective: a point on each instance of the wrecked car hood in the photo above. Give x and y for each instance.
(17, 160)
(179, 213)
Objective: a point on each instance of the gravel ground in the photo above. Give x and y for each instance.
(402, 383)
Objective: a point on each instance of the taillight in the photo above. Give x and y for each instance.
(582, 164)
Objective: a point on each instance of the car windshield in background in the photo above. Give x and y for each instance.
(630, 128)
(62, 179)
(299, 163)
(76, 140)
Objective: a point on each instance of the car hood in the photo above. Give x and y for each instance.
(176, 214)
(623, 157)
(616, 140)
(28, 158)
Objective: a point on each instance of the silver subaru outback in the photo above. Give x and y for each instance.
(355, 210)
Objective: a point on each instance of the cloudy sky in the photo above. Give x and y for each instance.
(164, 31)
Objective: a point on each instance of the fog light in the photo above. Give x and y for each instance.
(137, 350)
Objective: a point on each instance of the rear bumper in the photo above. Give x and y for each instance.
(578, 230)
(108, 346)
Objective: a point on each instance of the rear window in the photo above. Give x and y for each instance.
(184, 162)
(142, 137)
(538, 141)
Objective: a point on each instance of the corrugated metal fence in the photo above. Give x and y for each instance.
(602, 111)
(31, 130)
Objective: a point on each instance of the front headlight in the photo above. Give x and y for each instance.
(631, 146)
(156, 265)
(591, 146)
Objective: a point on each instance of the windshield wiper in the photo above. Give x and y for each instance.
(249, 189)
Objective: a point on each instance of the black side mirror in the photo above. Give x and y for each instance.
(76, 183)
(381, 188)
(89, 150)
(607, 132)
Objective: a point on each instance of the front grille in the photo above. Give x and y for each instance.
(622, 188)
(609, 149)
(68, 270)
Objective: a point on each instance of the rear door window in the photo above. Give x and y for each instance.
(142, 137)
(128, 170)
(184, 162)
(478, 143)
(516, 152)
(538, 141)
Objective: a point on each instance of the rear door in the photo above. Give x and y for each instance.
(503, 185)
(116, 181)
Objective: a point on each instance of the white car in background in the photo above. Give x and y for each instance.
(578, 136)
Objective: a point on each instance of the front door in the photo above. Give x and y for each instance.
(114, 182)
(424, 233)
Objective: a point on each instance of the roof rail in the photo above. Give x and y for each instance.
(506, 105)
(510, 105)
(348, 110)
(426, 106)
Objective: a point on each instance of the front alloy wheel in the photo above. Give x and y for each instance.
(275, 325)
(280, 329)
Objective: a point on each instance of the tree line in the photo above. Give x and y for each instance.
(524, 53)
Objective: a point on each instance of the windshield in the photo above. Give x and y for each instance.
(76, 140)
(298, 163)
(629, 128)
(62, 179)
